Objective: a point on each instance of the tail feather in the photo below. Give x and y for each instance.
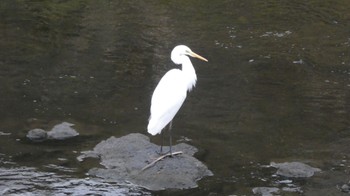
(154, 127)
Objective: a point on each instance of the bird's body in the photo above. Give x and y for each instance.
(167, 99)
(171, 90)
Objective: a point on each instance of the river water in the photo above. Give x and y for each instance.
(275, 89)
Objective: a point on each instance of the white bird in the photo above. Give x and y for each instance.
(171, 91)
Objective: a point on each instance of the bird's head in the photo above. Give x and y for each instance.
(181, 51)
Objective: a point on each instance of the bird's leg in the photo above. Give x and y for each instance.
(170, 141)
(161, 145)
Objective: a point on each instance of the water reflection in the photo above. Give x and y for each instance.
(276, 86)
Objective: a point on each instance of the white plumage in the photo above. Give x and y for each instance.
(171, 90)
(167, 99)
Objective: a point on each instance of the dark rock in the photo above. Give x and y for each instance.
(37, 135)
(125, 157)
(59, 132)
(62, 131)
(294, 169)
(345, 188)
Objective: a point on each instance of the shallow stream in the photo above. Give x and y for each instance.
(275, 89)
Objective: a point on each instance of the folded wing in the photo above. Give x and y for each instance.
(167, 99)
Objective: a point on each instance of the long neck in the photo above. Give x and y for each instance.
(189, 73)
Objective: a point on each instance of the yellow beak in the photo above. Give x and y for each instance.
(192, 54)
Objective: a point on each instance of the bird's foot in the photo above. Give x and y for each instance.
(160, 152)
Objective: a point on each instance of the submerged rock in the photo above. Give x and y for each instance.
(37, 135)
(345, 188)
(62, 131)
(266, 191)
(294, 169)
(124, 158)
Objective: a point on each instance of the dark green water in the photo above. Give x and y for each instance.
(276, 87)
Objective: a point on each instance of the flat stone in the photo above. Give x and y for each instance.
(124, 158)
(294, 169)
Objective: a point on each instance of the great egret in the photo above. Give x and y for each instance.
(171, 91)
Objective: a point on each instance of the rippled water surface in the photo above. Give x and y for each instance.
(275, 89)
